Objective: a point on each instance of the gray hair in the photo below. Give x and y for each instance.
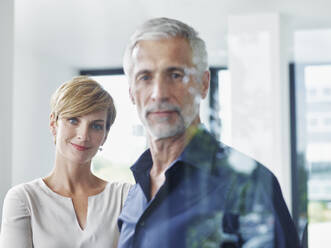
(161, 28)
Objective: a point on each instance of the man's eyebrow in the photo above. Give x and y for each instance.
(175, 68)
(143, 71)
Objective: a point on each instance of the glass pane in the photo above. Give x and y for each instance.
(126, 139)
(318, 155)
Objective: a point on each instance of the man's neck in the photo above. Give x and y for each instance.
(165, 151)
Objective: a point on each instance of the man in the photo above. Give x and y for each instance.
(191, 191)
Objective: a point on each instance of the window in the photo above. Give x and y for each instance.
(327, 91)
(311, 92)
(312, 122)
(126, 139)
(313, 145)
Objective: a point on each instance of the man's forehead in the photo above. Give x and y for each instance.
(148, 68)
(173, 45)
(163, 53)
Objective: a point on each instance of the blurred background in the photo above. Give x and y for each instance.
(270, 94)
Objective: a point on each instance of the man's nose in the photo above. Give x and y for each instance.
(161, 89)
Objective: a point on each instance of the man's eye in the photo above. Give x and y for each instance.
(97, 126)
(143, 78)
(73, 120)
(176, 75)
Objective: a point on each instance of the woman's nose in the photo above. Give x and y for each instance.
(83, 133)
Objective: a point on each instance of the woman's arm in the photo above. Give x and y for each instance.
(16, 229)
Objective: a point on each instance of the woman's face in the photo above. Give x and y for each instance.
(79, 138)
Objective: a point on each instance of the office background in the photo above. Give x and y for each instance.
(270, 95)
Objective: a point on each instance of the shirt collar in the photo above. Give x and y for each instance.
(201, 150)
(199, 153)
(142, 165)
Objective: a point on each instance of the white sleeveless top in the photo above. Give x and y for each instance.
(36, 217)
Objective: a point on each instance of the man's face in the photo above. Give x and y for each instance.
(164, 86)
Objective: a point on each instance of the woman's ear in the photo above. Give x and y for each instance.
(52, 124)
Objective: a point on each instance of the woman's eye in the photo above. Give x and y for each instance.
(97, 126)
(73, 120)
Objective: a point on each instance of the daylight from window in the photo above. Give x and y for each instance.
(318, 151)
(126, 139)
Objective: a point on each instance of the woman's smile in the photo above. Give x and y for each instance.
(78, 147)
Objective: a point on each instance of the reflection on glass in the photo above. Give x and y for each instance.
(126, 139)
(224, 91)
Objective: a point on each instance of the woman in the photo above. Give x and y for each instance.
(71, 207)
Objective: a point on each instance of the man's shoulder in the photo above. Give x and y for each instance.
(226, 159)
(239, 162)
(243, 172)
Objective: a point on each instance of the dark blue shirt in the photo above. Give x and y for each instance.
(213, 196)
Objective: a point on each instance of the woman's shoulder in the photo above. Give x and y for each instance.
(18, 197)
(24, 189)
(119, 187)
(117, 191)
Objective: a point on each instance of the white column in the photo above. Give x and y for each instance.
(258, 62)
(6, 92)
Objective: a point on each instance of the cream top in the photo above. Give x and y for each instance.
(35, 216)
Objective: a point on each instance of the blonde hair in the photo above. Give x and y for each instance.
(80, 96)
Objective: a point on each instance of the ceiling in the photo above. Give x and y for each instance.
(93, 34)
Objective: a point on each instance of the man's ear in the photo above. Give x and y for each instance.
(131, 95)
(205, 84)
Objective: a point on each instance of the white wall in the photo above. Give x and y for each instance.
(6, 85)
(35, 79)
(27, 80)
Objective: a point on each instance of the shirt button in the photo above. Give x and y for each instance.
(142, 223)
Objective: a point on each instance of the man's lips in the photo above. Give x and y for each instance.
(167, 112)
(78, 147)
(162, 112)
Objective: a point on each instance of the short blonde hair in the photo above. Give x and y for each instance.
(80, 96)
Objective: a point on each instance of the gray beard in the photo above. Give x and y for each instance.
(163, 131)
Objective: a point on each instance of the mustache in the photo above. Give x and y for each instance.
(163, 106)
